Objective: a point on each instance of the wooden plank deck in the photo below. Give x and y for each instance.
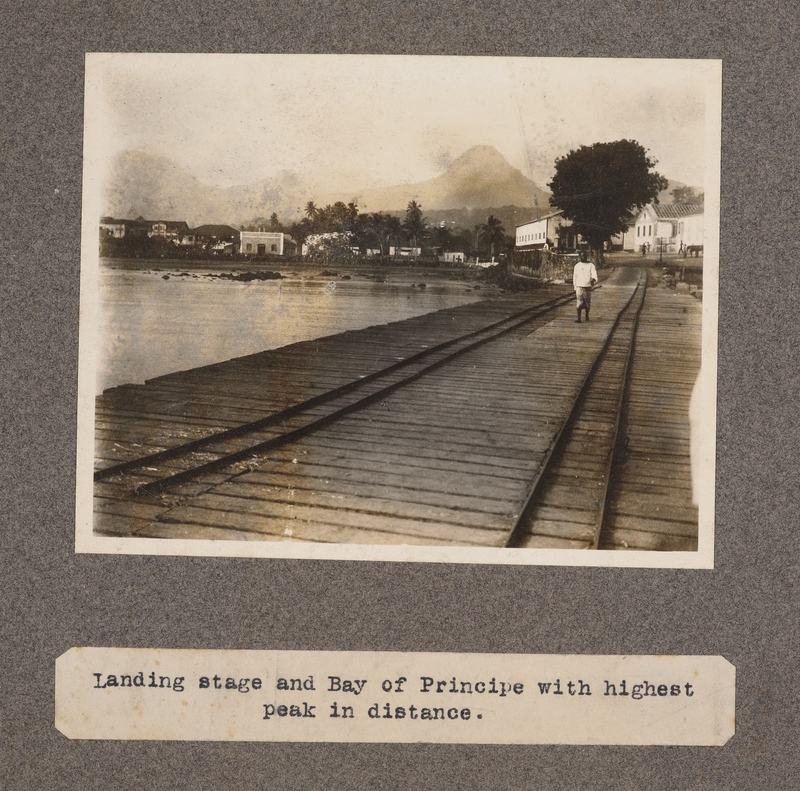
(570, 501)
(651, 503)
(446, 460)
(133, 420)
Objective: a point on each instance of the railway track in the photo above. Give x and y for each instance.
(188, 461)
(509, 435)
(569, 495)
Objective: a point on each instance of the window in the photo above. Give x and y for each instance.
(249, 247)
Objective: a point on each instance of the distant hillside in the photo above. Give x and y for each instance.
(478, 183)
(153, 186)
(665, 196)
(143, 184)
(480, 177)
(510, 216)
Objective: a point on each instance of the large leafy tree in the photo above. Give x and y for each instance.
(441, 237)
(300, 231)
(600, 187)
(687, 195)
(339, 217)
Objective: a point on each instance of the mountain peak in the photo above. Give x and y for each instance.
(150, 185)
(479, 158)
(478, 178)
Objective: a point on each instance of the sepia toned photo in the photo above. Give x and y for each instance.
(430, 309)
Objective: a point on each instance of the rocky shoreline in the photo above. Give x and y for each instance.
(472, 278)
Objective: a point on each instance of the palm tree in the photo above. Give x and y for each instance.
(492, 231)
(414, 223)
(312, 211)
(382, 228)
(324, 219)
(340, 216)
(352, 213)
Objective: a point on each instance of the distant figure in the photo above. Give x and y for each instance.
(644, 250)
(584, 276)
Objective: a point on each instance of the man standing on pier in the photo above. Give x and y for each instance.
(584, 276)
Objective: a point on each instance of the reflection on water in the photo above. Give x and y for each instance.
(151, 326)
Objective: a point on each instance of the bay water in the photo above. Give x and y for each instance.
(151, 326)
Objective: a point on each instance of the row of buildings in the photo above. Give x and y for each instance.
(226, 240)
(672, 227)
(223, 239)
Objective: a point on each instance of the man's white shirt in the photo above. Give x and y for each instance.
(583, 274)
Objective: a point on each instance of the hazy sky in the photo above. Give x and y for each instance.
(363, 121)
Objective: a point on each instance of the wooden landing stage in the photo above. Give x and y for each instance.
(500, 423)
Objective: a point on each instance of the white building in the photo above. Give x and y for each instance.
(625, 240)
(670, 225)
(261, 242)
(551, 230)
(405, 252)
(114, 228)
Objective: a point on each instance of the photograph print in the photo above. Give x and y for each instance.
(429, 309)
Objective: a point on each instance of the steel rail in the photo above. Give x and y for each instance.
(278, 417)
(226, 460)
(544, 465)
(614, 458)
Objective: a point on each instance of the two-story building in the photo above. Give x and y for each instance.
(113, 228)
(550, 231)
(207, 236)
(669, 226)
(173, 230)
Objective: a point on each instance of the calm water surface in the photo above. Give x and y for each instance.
(151, 326)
